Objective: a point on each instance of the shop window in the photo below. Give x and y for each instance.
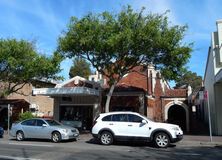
(67, 99)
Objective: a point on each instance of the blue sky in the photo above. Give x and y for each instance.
(44, 20)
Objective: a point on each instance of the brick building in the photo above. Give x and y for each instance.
(39, 105)
(78, 101)
(144, 90)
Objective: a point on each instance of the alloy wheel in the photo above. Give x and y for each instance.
(161, 140)
(56, 137)
(20, 136)
(106, 138)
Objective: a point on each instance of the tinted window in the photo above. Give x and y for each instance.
(53, 123)
(40, 122)
(107, 118)
(30, 122)
(120, 117)
(134, 118)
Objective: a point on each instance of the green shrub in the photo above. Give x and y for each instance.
(26, 115)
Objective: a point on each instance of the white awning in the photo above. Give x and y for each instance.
(65, 91)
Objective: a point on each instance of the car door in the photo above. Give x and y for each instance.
(42, 130)
(120, 124)
(28, 128)
(136, 128)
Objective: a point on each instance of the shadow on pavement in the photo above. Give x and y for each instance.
(218, 146)
(44, 140)
(131, 144)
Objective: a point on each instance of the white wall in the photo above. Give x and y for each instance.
(214, 65)
(209, 86)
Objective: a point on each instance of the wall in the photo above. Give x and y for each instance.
(45, 103)
(217, 127)
(213, 67)
(154, 87)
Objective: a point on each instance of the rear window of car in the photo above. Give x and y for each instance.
(30, 122)
(120, 117)
(107, 118)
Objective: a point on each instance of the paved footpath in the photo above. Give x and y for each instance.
(195, 140)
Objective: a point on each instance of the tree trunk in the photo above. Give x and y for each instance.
(109, 95)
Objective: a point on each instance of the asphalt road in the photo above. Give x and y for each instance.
(91, 150)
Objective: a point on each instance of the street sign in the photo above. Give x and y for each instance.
(205, 95)
(201, 95)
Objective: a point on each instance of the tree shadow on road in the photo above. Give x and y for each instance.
(127, 143)
(44, 140)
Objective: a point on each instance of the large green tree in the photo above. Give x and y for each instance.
(116, 43)
(21, 64)
(80, 68)
(190, 78)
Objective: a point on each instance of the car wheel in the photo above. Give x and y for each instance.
(161, 140)
(56, 137)
(106, 138)
(20, 136)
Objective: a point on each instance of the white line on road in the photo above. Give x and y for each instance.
(188, 154)
(16, 158)
(35, 145)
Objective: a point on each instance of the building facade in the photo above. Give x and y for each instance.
(41, 106)
(144, 90)
(213, 81)
(78, 101)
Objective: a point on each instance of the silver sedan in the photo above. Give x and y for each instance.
(43, 129)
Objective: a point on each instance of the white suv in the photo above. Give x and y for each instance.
(133, 126)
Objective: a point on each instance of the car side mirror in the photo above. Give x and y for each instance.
(44, 125)
(144, 121)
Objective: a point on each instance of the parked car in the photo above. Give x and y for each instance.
(133, 126)
(43, 129)
(1, 132)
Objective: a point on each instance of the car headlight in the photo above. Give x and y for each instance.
(175, 128)
(65, 130)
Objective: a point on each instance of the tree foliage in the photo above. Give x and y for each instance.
(116, 43)
(21, 64)
(190, 78)
(80, 68)
(26, 115)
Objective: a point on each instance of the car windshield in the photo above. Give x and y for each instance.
(53, 123)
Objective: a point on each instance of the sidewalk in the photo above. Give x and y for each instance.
(200, 140)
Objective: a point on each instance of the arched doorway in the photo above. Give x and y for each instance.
(177, 115)
(177, 111)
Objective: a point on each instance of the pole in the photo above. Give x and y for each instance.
(8, 118)
(209, 115)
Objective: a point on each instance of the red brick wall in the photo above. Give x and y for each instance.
(176, 93)
(155, 106)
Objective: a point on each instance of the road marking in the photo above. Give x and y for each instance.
(188, 154)
(27, 144)
(17, 158)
